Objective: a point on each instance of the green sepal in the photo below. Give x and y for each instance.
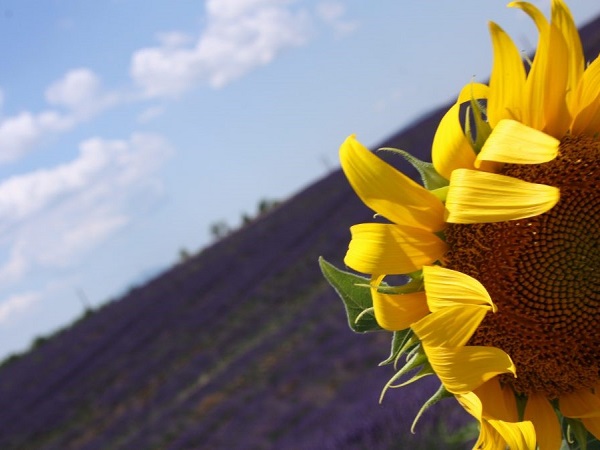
(413, 285)
(429, 176)
(577, 430)
(576, 434)
(521, 401)
(482, 129)
(440, 394)
(441, 193)
(415, 359)
(399, 340)
(355, 293)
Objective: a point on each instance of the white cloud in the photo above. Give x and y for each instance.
(69, 231)
(332, 13)
(240, 35)
(23, 195)
(232, 9)
(80, 96)
(20, 133)
(80, 91)
(150, 113)
(17, 303)
(174, 39)
(51, 217)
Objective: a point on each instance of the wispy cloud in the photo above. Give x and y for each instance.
(76, 97)
(22, 132)
(17, 303)
(333, 14)
(150, 114)
(81, 93)
(50, 217)
(239, 36)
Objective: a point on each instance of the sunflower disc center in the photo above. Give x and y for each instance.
(543, 273)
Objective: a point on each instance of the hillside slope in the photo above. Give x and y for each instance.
(244, 346)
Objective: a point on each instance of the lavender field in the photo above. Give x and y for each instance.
(243, 346)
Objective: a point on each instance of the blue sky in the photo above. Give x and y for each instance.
(128, 127)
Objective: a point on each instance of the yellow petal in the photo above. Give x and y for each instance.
(480, 197)
(579, 404)
(387, 191)
(450, 327)
(513, 142)
(562, 18)
(586, 103)
(497, 434)
(446, 287)
(517, 435)
(540, 412)
(507, 80)
(398, 311)
(471, 403)
(451, 149)
(553, 85)
(533, 12)
(546, 85)
(473, 91)
(382, 248)
(499, 402)
(589, 120)
(463, 369)
(489, 439)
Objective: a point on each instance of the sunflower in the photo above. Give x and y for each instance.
(499, 245)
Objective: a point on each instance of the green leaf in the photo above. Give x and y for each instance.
(429, 176)
(355, 293)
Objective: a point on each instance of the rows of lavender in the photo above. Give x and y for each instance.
(243, 346)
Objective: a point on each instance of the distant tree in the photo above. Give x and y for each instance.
(246, 219)
(10, 359)
(219, 230)
(39, 341)
(83, 298)
(265, 205)
(184, 255)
